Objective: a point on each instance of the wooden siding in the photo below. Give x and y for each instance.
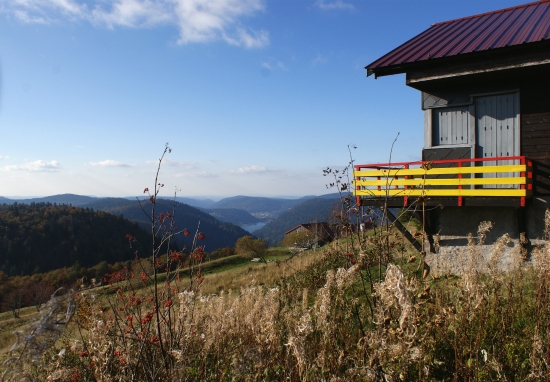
(536, 135)
(446, 153)
(535, 130)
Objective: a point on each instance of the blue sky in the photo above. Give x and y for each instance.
(255, 97)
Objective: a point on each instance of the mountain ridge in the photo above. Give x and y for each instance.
(311, 210)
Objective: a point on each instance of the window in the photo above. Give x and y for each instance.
(450, 126)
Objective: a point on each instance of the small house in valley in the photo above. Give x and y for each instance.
(310, 234)
(484, 84)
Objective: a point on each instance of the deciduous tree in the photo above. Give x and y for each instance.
(38, 294)
(14, 301)
(247, 244)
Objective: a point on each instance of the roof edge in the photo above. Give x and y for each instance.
(493, 54)
(491, 12)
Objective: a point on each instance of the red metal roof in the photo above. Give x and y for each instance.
(522, 24)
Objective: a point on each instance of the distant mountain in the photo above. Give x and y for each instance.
(232, 215)
(326, 196)
(105, 204)
(334, 195)
(46, 237)
(260, 207)
(193, 202)
(67, 199)
(199, 203)
(4, 200)
(312, 210)
(218, 234)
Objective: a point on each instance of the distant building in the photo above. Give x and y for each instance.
(321, 233)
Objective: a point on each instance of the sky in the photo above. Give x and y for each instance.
(254, 97)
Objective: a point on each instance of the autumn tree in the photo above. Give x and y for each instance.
(247, 244)
(14, 301)
(38, 294)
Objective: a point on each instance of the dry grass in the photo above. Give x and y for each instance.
(8, 324)
(326, 315)
(264, 274)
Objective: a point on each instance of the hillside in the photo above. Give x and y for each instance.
(333, 195)
(193, 202)
(43, 237)
(219, 234)
(68, 199)
(312, 210)
(106, 204)
(260, 207)
(199, 203)
(232, 215)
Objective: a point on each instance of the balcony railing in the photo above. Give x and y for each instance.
(508, 177)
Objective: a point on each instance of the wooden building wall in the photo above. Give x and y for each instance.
(535, 129)
(533, 85)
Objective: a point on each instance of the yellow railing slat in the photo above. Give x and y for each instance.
(441, 171)
(449, 193)
(440, 182)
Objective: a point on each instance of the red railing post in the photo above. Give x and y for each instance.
(459, 186)
(522, 186)
(357, 197)
(406, 197)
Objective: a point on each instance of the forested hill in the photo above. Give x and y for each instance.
(68, 199)
(42, 237)
(218, 234)
(313, 210)
(258, 206)
(231, 215)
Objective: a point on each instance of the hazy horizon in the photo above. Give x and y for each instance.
(214, 198)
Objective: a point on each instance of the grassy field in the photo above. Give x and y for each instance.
(229, 273)
(245, 283)
(8, 324)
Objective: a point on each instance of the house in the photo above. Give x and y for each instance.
(484, 85)
(315, 233)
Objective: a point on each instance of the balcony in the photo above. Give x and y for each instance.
(502, 181)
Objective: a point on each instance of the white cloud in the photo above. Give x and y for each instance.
(254, 169)
(198, 21)
(272, 64)
(36, 166)
(326, 5)
(319, 60)
(132, 13)
(110, 163)
(43, 11)
(248, 39)
(3, 157)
